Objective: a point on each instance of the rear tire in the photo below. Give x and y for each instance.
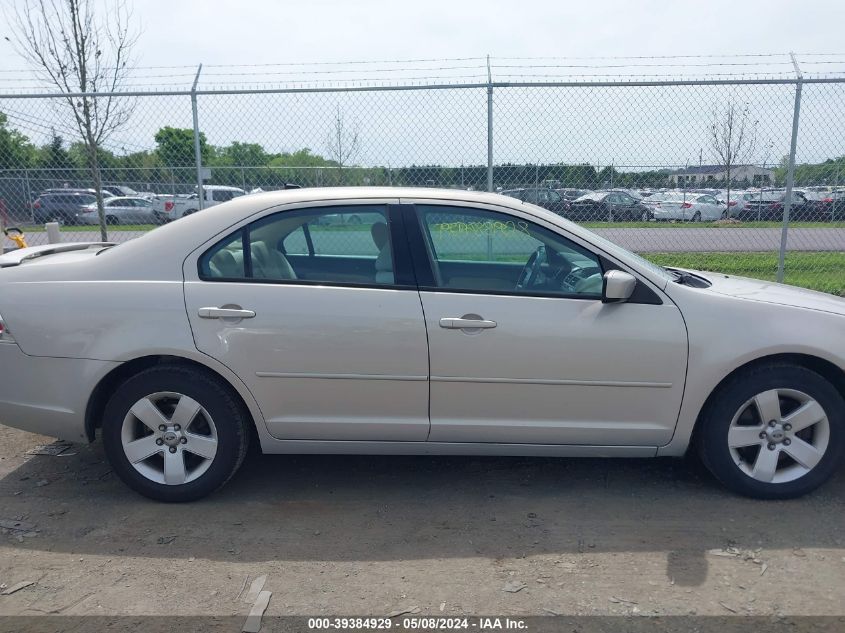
(696, 217)
(793, 456)
(174, 433)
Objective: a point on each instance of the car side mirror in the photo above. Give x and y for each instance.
(617, 286)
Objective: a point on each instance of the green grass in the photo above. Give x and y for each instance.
(823, 271)
(817, 270)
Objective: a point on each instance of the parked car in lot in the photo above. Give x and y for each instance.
(542, 197)
(739, 202)
(121, 191)
(691, 207)
(168, 208)
(62, 206)
(128, 210)
(69, 190)
(768, 205)
(569, 195)
(830, 207)
(611, 206)
(505, 331)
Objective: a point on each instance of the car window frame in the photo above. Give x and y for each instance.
(404, 275)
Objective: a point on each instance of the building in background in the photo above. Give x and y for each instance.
(704, 174)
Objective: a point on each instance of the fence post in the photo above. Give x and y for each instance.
(28, 195)
(489, 127)
(790, 169)
(197, 152)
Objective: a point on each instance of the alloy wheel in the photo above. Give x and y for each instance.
(779, 435)
(169, 438)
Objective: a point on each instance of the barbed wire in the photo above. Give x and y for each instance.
(384, 73)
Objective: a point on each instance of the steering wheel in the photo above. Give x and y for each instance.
(532, 268)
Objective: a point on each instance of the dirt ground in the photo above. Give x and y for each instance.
(376, 535)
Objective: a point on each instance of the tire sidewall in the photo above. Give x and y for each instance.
(713, 443)
(227, 417)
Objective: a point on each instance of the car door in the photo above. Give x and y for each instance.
(711, 210)
(115, 210)
(551, 200)
(516, 361)
(323, 323)
(613, 207)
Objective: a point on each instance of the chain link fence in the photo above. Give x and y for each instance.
(700, 173)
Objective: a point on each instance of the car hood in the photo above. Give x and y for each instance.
(775, 293)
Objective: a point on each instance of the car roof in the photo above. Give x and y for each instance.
(67, 193)
(221, 188)
(595, 195)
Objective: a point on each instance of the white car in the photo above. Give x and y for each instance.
(169, 208)
(685, 206)
(124, 210)
(449, 322)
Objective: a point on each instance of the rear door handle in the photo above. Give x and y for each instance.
(225, 313)
(460, 323)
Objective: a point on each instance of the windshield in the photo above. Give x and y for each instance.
(612, 247)
(663, 273)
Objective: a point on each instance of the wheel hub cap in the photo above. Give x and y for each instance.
(775, 434)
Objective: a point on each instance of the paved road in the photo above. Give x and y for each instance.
(640, 240)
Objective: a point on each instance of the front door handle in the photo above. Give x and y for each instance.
(462, 323)
(225, 313)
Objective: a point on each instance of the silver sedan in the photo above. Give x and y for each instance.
(121, 210)
(690, 207)
(446, 322)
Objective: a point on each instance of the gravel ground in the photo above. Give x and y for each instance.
(373, 536)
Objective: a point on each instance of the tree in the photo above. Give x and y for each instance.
(301, 158)
(342, 143)
(733, 136)
(16, 152)
(241, 155)
(54, 155)
(81, 53)
(176, 147)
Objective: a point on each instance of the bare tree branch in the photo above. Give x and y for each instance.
(77, 50)
(733, 137)
(343, 142)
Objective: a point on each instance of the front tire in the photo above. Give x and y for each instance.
(174, 433)
(773, 432)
